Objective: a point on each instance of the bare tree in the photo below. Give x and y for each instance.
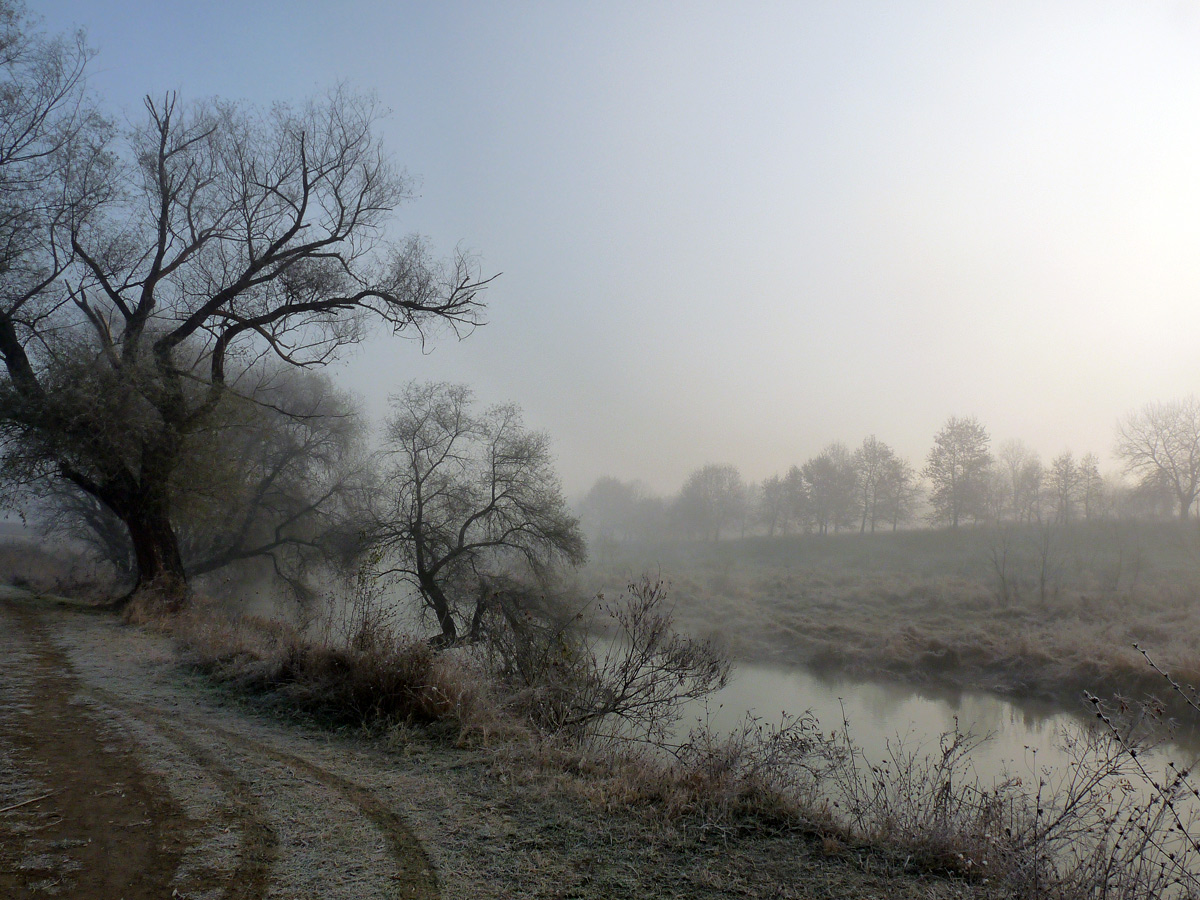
(1065, 483)
(51, 137)
(65, 513)
(795, 494)
(1022, 477)
(781, 502)
(219, 234)
(771, 504)
(612, 510)
(957, 466)
(285, 479)
(584, 681)
(1091, 486)
(280, 475)
(900, 493)
(874, 462)
(830, 481)
(466, 496)
(1161, 443)
(712, 497)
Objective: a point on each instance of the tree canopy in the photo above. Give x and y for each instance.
(1161, 442)
(139, 277)
(957, 467)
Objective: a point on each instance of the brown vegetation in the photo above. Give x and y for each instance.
(1027, 611)
(1107, 825)
(376, 677)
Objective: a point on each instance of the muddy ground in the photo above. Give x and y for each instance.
(122, 775)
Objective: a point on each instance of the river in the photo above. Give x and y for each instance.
(1018, 738)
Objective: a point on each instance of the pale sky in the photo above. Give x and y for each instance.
(734, 232)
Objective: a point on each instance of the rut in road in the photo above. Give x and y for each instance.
(414, 876)
(228, 814)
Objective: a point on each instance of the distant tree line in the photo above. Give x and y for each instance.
(962, 482)
(868, 489)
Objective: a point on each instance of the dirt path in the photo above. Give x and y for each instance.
(123, 776)
(113, 785)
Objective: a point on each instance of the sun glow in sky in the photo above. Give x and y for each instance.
(735, 232)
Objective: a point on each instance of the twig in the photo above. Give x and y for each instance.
(27, 802)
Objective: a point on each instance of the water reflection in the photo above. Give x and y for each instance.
(1023, 737)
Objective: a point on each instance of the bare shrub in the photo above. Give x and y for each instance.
(929, 803)
(359, 618)
(623, 675)
(758, 777)
(759, 769)
(1139, 834)
(1029, 563)
(1104, 825)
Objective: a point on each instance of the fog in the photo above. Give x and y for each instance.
(739, 232)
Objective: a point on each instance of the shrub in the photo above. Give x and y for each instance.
(376, 677)
(624, 675)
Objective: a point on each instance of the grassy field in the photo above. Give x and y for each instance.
(765, 811)
(1020, 610)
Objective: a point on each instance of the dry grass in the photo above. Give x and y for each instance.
(1083, 833)
(378, 680)
(758, 778)
(928, 606)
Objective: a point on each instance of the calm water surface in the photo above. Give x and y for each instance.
(1022, 737)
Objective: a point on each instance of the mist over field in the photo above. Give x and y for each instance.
(480, 299)
(770, 421)
(737, 234)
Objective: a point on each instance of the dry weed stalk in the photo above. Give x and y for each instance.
(352, 668)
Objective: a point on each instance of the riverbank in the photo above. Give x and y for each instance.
(1022, 612)
(251, 805)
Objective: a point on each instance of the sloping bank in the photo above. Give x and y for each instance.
(261, 805)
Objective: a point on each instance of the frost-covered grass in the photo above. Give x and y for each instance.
(1020, 609)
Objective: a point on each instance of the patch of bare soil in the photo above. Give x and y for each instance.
(96, 823)
(122, 775)
(113, 790)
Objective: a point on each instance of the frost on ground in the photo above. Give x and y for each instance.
(122, 775)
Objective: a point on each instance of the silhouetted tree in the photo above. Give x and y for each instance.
(466, 496)
(613, 509)
(831, 486)
(1022, 476)
(873, 463)
(712, 498)
(279, 476)
(218, 234)
(899, 493)
(957, 467)
(1065, 481)
(1091, 486)
(1161, 443)
(770, 503)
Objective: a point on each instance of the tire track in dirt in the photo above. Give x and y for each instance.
(218, 813)
(414, 876)
(258, 843)
(106, 827)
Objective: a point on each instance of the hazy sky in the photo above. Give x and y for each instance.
(734, 232)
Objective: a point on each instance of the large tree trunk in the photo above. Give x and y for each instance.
(436, 599)
(161, 585)
(156, 549)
